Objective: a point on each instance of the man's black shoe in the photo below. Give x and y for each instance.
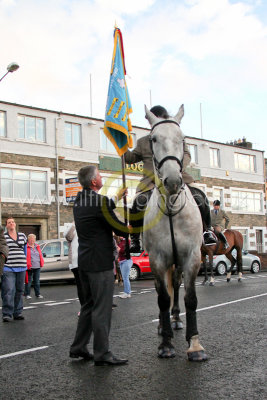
(110, 361)
(82, 354)
(18, 317)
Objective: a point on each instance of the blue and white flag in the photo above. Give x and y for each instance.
(117, 125)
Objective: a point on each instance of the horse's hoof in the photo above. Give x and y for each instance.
(159, 331)
(176, 325)
(204, 282)
(239, 280)
(212, 284)
(197, 356)
(228, 280)
(166, 352)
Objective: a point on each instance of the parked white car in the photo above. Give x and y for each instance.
(252, 263)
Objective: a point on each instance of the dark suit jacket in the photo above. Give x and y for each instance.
(95, 220)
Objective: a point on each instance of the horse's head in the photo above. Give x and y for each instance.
(167, 145)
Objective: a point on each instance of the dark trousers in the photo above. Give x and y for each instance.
(75, 272)
(33, 275)
(203, 205)
(96, 313)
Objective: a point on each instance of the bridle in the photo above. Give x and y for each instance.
(158, 164)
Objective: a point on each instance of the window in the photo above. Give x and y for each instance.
(23, 184)
(52, 249)
(244, 233)
(66, 248)
(112, 184)
(245, 162)
(31, 128)
(2, 123)
(193, 152)
(247, 201)
(105, 143)
(218, 195)
(73, 134)
(214, 158)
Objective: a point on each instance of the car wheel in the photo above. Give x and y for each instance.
(134, 273)
(255, 267)
(221, 268)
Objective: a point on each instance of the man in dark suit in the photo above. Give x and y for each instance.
(95, 220)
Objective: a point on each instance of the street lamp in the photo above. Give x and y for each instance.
(11, 68)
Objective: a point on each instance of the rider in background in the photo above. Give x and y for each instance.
(217, 217)
(142, 152)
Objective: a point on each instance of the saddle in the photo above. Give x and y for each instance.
(209, 238)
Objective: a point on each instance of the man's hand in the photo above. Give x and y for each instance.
(121, 193)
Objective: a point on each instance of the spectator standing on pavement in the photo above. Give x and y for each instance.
(35, 262)
(72, 238)
(95, 220)
(3, 250)
(125, 267)
(14, 273)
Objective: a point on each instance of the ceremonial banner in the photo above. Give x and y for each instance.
(117, 125)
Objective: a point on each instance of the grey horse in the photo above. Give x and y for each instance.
(172, 208)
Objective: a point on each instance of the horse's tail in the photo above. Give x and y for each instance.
(169, 277)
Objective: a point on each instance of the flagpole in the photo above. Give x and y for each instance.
(127, 248)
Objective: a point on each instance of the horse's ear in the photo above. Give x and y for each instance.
(178, 117)
(152, 119)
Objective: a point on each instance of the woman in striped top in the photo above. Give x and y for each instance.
(14, 273)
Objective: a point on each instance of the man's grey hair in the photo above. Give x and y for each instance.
(32, 234)
(86, 175)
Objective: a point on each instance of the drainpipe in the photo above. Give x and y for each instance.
(57, 176)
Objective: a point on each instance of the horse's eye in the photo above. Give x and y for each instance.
(154, 140)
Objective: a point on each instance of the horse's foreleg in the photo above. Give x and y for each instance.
(239, 264)
(166, 349)
(195, 351)
(233, 262)
(205, 271)
(212, 280)
(176, 320)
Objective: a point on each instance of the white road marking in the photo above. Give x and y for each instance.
(23, 352)
(224, 304)
(57, 304)
(28, 308)
(76, 298)
(43, 302)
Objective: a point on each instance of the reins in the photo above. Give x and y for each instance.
(158, 165)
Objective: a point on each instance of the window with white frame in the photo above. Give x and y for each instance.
(244, 233)
(22, 184)
(214, 157)
(73, 135)
(246, 201)
(193, 152)
(105, 143)
(31, 128)
(218, 194)
(245, 162)
(2, 123)
(112, 183)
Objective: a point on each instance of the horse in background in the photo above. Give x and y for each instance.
(235, 241)
(172, 234)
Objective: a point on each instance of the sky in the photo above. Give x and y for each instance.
(205, 54)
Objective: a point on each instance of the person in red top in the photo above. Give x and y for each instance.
(125, 267)
(35, 262)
